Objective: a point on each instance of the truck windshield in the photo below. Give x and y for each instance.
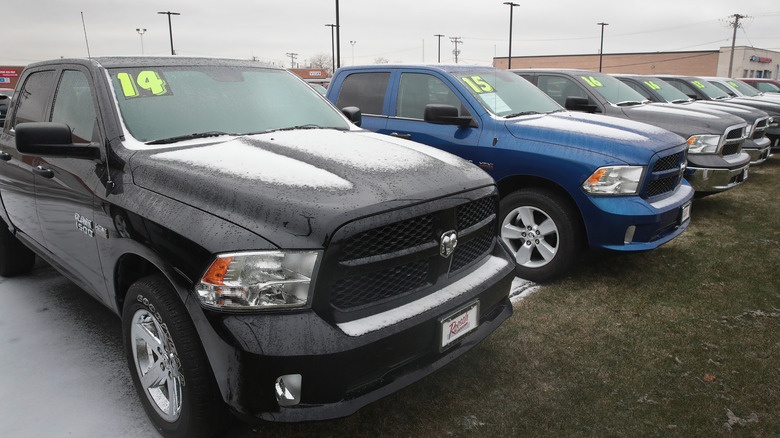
(506, 94)
(167, 104)
(744, 87)
(711, 91)
(667, 92)
(611, 89)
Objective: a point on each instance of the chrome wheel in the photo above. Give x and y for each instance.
(532, 236)
(157, 365)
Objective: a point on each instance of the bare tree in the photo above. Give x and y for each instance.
(323, 62)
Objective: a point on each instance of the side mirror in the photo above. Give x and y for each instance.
(51, 139)
(446, 115)
(579, 104)
(353, 114)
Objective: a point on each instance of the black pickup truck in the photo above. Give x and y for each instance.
(266, 256)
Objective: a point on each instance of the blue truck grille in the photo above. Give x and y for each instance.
(402, 259)
(666, 174)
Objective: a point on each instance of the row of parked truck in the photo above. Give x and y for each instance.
(270, 259)
(568, 176)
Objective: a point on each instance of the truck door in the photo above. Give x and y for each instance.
(64, 187)
(16, 170)
(414, 92)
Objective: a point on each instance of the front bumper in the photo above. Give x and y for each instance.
(631, 223)
(713, 173)
(758, 150)
(345, 366)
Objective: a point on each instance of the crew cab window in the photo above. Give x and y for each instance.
(33, 97)
(559, 88)
(365, 91)
(723, 88)
(74, 107)
(417, 90)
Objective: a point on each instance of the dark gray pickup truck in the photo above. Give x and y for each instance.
(266, 256)
(716, 161)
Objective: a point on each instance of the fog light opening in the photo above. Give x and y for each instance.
(288, 389)
(630, 234)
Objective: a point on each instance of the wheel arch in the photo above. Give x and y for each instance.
(515, 182)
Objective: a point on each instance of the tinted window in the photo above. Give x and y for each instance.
(32, 99)
(73, 106)
(417, 90)
(638, 88)
(723, 88)
(365, 91)
(559, 88)
(611, 89)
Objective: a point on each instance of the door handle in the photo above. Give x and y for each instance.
(399, 135)
(44, 172)
(5, 156)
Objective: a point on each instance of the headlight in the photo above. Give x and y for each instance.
(703, 144)
(258, 280)
(614, 180)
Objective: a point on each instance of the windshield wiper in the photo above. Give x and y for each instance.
(295, 128)
(629, 103)
(524, 113)
(682, 100)
(188, 137)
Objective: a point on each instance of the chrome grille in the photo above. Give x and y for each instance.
(733, 140)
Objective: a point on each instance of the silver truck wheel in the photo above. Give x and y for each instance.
(157, 365)
(542, 230)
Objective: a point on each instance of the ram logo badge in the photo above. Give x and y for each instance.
(448, 242)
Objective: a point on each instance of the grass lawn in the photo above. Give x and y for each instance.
(682, 341)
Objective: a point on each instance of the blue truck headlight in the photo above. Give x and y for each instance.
(258, 280)
(614, 180)
(703, 144)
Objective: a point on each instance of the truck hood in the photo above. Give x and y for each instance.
(750, 115)
(682, 121)
(294, 188)
(624, 140)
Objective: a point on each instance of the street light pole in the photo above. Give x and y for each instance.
(332, 46)
(170, 29)
(353, 51)
(439, 36)
(338, 37)
(601, 48)
(511, 8)
(141, 32)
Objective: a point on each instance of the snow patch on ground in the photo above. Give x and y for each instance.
(522, 288)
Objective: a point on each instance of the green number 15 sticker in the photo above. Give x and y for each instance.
(145, 83)
(478, 84)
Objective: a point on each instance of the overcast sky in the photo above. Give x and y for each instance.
(397, 31)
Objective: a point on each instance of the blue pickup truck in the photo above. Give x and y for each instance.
(567, 180)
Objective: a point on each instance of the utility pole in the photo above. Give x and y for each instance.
(735, 24)
(439, 36)
(511, 8)
(601, 47)
(292, 59)
(456, 52)
(353, 51)
(170, 29)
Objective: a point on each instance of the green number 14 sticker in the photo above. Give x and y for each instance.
(151, 82)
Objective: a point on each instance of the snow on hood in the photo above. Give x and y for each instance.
(301, 185)
(623, 139)
(243, 160)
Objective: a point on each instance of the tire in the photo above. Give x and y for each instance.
(167, 362)
(543, 232)
(15, 258)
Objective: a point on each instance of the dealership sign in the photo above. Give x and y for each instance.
(755, 58)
